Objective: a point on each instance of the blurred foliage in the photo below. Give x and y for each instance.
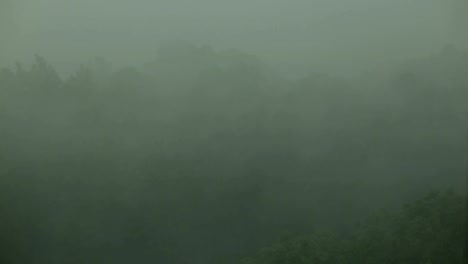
(429, 230)
(203, 156)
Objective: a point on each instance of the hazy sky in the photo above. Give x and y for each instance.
(330, 34)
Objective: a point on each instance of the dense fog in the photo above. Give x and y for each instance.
(296, 36)
(256, 132)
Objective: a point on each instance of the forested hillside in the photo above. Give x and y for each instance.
(205, 156)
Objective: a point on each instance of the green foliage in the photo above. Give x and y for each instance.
(205, 156)
(429, 230)
(319, 248)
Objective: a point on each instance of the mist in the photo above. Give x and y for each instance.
(250, 132)
(296, 36)
(6, 20)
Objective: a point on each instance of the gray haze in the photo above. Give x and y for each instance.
(333, 35)
(200, 131)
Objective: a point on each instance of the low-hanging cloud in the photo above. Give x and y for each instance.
(8, 24)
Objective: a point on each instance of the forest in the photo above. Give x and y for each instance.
(212, 156)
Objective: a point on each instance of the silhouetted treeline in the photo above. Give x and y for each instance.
(202, 156)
